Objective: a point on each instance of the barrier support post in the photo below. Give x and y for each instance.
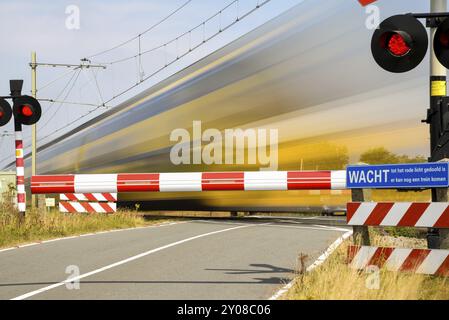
(436, 238)
(360, 233)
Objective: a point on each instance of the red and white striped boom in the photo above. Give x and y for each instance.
(189, 181)
(422, 261)
(399, 214)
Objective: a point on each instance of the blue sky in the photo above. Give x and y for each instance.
(40, 25)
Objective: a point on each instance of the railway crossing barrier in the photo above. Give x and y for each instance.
(88, 202)
(189, 182)
(423, 261)
(361, 214)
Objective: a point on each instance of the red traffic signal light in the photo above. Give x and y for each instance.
(400, 43)
(441, 43)
(5, 112)
(27, 110)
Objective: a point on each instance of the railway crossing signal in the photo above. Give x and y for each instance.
(5, 112)
(400, 43)
(27, 110)
(441, 43)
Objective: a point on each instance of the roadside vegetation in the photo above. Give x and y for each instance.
(38, 225)
(333, 280)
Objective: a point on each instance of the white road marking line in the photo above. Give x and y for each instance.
(320, 228)
(274, 224)
(165, 224)
(317, 262)
(113, 265)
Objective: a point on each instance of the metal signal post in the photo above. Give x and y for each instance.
(399, 45)
(437, 238)
(34, 64)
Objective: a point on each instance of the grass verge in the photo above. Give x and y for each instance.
(333, 280)
(38, 226)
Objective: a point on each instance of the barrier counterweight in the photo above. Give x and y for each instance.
(189, 181)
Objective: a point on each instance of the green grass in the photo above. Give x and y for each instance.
(333, 280)
(37, 226)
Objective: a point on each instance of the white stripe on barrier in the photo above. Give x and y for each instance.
(363, 213)
(338, 179)
(21, 207)
(20, 188)
(432, 214)
(395, 214)
(180, 181)
(432, 263)
(20, 171)
(397, 258)
(265, 180)
(363, 257)
(88, 183)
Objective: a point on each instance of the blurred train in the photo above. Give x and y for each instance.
(307, 73)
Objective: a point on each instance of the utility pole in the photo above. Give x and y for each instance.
(84, 64)
(33, 127)
(436, 238)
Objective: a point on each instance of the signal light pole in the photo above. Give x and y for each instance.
(33, 127)
(437, 238)
(34, 64)
(399, 45)
(16, 91)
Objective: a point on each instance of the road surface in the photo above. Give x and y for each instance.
(188, 260)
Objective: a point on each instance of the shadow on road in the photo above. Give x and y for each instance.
(261, 269)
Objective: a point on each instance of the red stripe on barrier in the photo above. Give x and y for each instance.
(311, 180)
(87, 207)
(106, 207)
(443, 270)
(138, 182)
(20, 180)
(222, 181)
(90, 197)
(21, 197)
(352, 252)
(414, 260)
(71, 196)
(378, 214)
(443, 221)
(109, 197)
(380, 257)
(19, 144)
(20, 162)
(413, 214)
(53, 184)
(351, 208)
(68, 206)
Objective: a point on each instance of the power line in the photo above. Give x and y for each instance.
(144, 32)
(61, 92)
(205, 40)
(65, 97)
(167, 64)
(188, 32)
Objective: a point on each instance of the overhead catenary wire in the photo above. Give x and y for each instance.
(258, 6)
(188, 32)
(65, 97)
(142, 79)
(142, 33)
(61, 92)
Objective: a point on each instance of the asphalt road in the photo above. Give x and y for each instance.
(190, 260)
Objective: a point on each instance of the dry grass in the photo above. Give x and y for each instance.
(46, 225)
(333, 280)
